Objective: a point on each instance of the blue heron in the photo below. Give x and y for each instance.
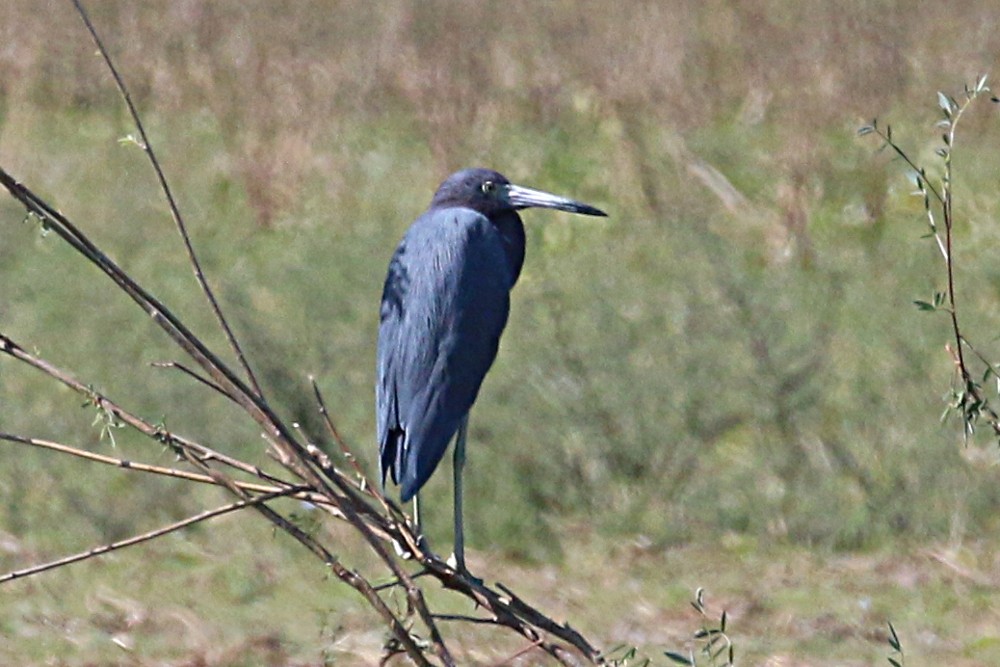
(444, 306)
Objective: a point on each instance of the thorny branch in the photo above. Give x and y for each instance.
(379, 524)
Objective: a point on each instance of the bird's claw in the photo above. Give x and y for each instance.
(458, 564)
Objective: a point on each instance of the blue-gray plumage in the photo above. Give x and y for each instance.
(444, 306)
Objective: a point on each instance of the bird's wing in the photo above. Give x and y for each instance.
(444, 306)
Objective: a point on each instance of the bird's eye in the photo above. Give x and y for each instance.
(488, 187)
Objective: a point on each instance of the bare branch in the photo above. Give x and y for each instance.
(145, 537)
(147, 147)
(158, 433)
(345, 449)
(187, 371)
(527, 649)
(126, 464)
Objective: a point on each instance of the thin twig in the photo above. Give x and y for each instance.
(947, 208)
(147, 148)
(344, 448)
(465, 619)
(198, 455)
(949, 258)
(396, 582)
(158, 433)
(193, 374)
(297, 456)
(146, 537)
(127, 464)
(527, 649)
(414, 594)
(334, 433)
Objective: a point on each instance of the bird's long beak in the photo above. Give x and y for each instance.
(521, 197)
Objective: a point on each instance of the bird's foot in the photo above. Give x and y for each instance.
(458, 564)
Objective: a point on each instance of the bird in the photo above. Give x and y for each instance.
(444, 306)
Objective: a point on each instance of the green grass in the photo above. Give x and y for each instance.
(748, 391)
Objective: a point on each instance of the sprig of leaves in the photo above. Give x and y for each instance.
(966, 397)
(104, 419)
(622, 656)
(716, 646)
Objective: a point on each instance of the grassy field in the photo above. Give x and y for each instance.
(235, 597)
(725, 384)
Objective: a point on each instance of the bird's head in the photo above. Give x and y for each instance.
(489, 192)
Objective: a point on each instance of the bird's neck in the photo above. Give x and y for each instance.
(512, 232)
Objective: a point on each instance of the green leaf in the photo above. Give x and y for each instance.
(679, 659)
(923, 305)
(894, 638)
(865, 129)
(944, 103)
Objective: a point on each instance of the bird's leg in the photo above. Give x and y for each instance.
(459, 555)
(418, 524)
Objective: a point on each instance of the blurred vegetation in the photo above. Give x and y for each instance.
(734, 352)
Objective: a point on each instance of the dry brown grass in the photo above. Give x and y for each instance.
(284, 82)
